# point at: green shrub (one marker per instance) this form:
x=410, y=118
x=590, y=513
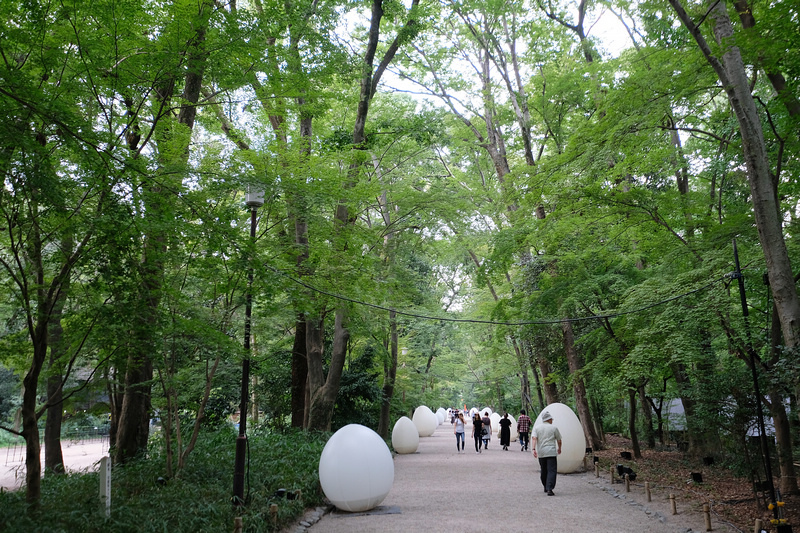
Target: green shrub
x=198, y=499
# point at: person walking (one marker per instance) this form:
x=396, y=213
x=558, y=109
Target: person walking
x=523, y=427
x=487, y=430
x=505, y=432
x=477, y=427
x=458, y=429
x=547, y=448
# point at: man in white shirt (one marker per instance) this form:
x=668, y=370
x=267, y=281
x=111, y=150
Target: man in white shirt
x=547, y=447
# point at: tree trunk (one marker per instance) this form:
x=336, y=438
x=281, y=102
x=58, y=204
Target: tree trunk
x=325, y=389
x=134, y=420
x=30, y=428
x=389, y=376
x=637, y=451
x=550, y=388
x=299, y=372
x=694, y=432
x=53, y=455
x=783, y=438
x=647, y=414
x=578, y=386
x=597, y=420
x=524, y=390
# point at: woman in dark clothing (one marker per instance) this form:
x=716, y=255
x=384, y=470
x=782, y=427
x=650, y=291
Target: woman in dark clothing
x=477, y=425
x=505, y=432
x=487, y=429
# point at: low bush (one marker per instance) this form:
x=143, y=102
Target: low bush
x=198, y=499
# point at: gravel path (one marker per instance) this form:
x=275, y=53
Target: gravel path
x=437, y=489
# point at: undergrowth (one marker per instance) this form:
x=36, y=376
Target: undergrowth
x=198, y=499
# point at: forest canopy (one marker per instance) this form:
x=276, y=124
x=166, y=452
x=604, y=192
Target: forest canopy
x=377, y=205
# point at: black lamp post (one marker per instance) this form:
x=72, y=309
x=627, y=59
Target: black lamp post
x=253, y=200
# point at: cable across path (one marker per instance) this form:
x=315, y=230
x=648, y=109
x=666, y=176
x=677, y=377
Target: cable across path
x=437, y=489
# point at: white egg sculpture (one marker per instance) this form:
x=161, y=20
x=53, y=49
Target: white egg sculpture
x=443, y=412
x=473, y=411
x=513, y=428
x=405, y=437
x=356, y=470
x=439, y=417
x=573, y=442
x=425, y=421
x=494, y=418
x=486, y=410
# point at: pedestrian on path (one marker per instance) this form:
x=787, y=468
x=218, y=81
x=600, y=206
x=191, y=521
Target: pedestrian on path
x=505, y=432
x=458, y=429
x=523, y=427
x=477, y=426
x=487, y=430
x=547, y=448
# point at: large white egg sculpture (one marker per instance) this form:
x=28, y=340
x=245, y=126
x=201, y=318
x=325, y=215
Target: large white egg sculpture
x=405, y=437
x=486, y=410
x=494, y=418
x=513, y=428
x=439, y=417
x=425, y=421
x=443, y=412
x=356, y=470
x=573, y=442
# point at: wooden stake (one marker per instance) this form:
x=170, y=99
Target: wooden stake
x=273, y=511
x=237, y=524
x=612, y=475
x=757, y=528
x=707, y=514
x=596, y=470
x=627, y=483
x=647, y=491
x=673, y=504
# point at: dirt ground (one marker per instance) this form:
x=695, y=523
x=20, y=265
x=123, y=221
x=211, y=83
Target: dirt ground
x=438, y=489
x=78, y=456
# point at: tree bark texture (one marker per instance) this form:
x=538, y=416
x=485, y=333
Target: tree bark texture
x=578, y=386
x=647, y=415
x=299, y=372
x=53, y=455
x=389, y=376
x=637, y=451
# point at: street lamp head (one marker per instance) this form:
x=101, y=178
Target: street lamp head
x=254, y=198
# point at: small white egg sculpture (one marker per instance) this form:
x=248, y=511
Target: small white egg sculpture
x=573, y=441
x=425, y=421
x=443, y=412
x=439, y=418
x=494, y=418
x=472, y=412
x=486, y=410
x=356, y=470
x=405, y=437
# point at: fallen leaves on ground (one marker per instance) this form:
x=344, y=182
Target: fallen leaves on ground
x=729, y=496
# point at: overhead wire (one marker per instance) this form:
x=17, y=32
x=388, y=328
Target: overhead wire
x=493, y=322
